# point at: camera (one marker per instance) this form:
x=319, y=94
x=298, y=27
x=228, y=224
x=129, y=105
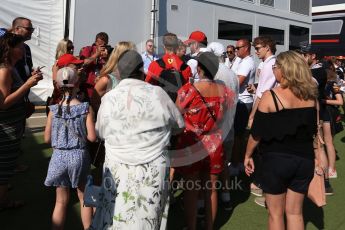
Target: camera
x=108, y=48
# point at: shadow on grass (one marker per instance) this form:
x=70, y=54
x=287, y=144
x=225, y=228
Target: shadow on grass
x=343, y=139
x=313, y=214
x=239, y=194
x=39, y=199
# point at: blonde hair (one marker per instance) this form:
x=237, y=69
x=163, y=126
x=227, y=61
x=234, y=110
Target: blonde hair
x=119, y=49
x=297, y=75
x=62, y=48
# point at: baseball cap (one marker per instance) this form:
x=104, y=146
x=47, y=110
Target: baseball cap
x=308, y=48
x=210, y=61
x=66, y=77
x=130, y=63
x=67, y=59
x=196, y=36
x=217, y=48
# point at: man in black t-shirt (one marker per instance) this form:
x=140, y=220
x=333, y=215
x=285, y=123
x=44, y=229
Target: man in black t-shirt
x=313, y=57
x=23, y=27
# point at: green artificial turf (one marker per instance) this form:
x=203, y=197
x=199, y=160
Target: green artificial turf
x=36, y=214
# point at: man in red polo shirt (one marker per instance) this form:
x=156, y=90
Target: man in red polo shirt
x=171, y=61
x=94, y=57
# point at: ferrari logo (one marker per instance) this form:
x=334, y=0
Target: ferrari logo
x=170, y=61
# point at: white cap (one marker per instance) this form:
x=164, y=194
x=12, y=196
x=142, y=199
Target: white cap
x=217, y=48
x=202, y=50
x=66, y=77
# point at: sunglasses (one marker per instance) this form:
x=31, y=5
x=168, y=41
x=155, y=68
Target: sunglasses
x=257, y=48
x=230, y=52
x=30, y=29
x=238, y=47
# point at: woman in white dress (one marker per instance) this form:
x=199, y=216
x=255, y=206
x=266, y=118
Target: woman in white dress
x=136, y=120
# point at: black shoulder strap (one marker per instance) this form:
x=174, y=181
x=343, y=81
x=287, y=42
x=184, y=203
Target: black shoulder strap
x=183, y=66
x=275, y=97
x=161, y=63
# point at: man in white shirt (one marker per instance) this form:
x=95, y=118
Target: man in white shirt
x=231, y=59
x=265, y=49
x=246, y=75
x=197, y=43
x=149, y=55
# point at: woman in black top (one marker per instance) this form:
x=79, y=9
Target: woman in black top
x=283, y=129
x=333, y=98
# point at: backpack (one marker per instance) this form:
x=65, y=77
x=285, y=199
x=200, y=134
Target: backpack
x=171, y=79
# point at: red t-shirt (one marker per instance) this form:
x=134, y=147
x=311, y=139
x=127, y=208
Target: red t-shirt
x=171, y=61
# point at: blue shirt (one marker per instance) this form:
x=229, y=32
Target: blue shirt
x=2, y=31
x=147, y=59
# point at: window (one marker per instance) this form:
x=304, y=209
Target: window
x=267, y=2
x=298, y=35
x=300, y=6
x=327, y=27
x=275, y=34
x=234, y=30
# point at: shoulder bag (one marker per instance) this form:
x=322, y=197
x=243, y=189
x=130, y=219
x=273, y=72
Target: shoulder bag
x=316, y=190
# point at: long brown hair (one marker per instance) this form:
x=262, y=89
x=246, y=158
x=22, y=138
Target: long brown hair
x=7, y=42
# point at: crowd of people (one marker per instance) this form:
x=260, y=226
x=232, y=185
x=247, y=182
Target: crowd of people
x=202, y=117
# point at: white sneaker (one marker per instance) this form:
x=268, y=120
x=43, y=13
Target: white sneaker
x=261, y=201
x=332, y=173
x=256, y=192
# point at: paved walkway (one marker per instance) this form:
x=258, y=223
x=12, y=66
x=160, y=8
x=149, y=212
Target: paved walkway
x=37, y=122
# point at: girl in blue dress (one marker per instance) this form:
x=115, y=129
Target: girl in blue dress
x=69, y=125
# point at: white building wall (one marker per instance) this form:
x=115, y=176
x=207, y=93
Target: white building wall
x=122, y=20
x=204, y=15
x=47, y=17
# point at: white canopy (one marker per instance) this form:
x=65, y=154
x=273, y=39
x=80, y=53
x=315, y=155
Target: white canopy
x=47, y=17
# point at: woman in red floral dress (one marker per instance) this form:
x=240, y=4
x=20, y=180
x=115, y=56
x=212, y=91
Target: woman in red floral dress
x=200, y=156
